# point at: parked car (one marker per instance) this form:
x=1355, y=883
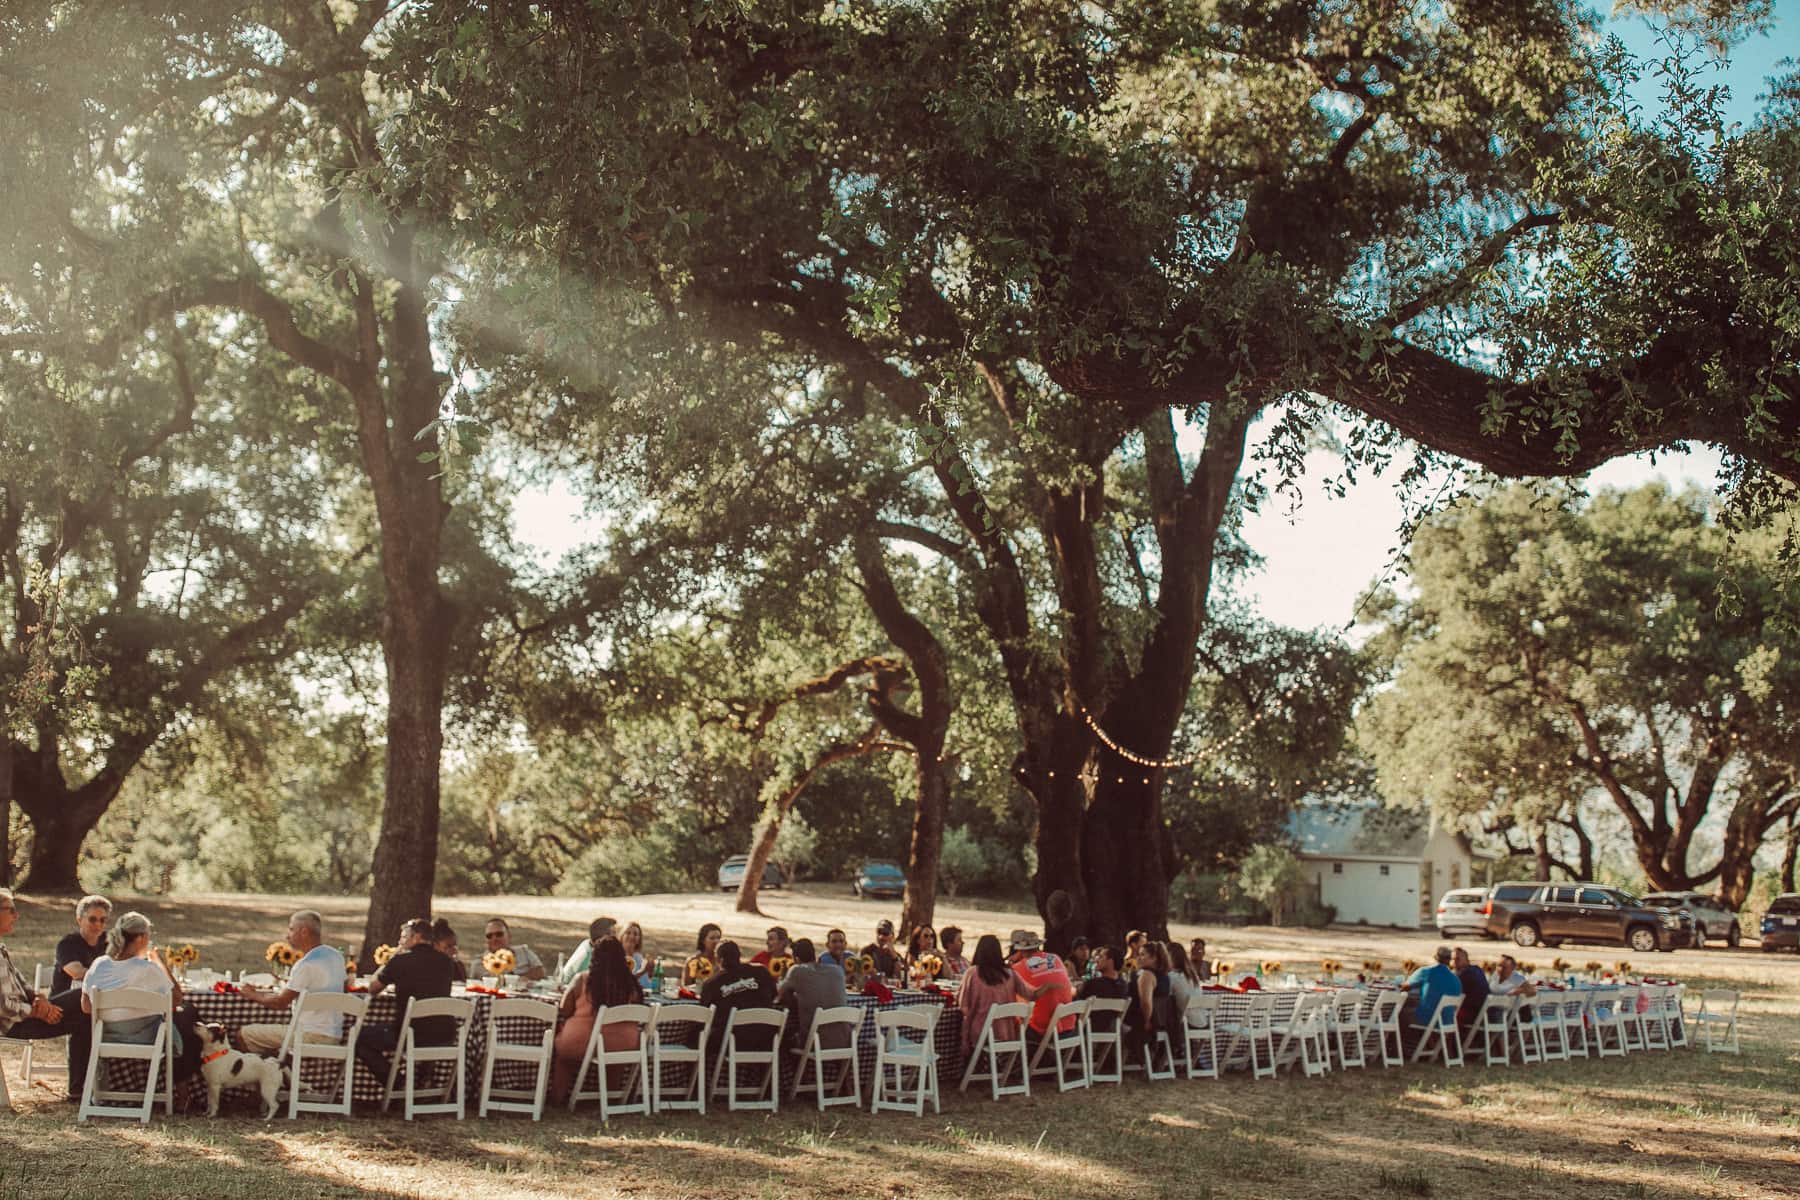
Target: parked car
x=1712, y=920
x=731, y=873
x=1781, y=923
x=879, y=878
x=1554, y=913
x=1459, y=912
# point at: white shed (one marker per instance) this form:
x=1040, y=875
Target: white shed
x=1383, y=866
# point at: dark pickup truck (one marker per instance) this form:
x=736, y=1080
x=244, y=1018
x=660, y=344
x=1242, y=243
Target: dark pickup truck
x=1554, y=913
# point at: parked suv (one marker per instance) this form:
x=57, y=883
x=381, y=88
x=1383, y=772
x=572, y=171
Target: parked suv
x=1781, y=923
x=1712, y=920
x=1460, y=912
x=1554, y=913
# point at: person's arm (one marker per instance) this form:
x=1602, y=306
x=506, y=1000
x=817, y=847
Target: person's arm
x=572, y=995
x=378, y=982
x=1146, y=989
x=535, y=970
x=175, y=993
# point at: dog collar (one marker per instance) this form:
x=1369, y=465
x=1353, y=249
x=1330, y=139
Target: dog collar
x=215, y=1054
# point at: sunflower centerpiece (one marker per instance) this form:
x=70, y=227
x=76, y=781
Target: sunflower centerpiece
x=383, y=953
x=698, y=970
x=925, y=969
x=780, y=965
x=1593, y=969
x=180, y=958
x=282, y=957
x=499, y=963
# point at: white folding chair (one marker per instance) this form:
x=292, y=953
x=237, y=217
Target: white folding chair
x=906, y=1040
x=1552, y=1031
x=1065, y=1049
x=1631, y=1020
x=1490, y=1033
x=634, y=1064
x=1104, y=1026
x=1383, y=1025
x=337, y=1058
x=1345, y=1023
x=815, y=1054
x=1253, y=1033
x=1675, y=1015
x=671, y=1027
x=1199, y=1036
x=1306, y=1035
x=1576, y=1013
x=1607, y=1013
x=536, y=1052
x=40, y=983
x=1442, y=1028
x=157, y=1056
x=452, y=1094
x=765, y=1094
x=1528, y=1030
x=1654, y=1020
x=1003, y=1053
x=1717, y=1021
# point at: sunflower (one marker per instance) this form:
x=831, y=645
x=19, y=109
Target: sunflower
x=1374, y=966
x=1490, y=966
x=499, y=962
x=699, y=967
x=1623, y=968
x=383, y=953
x=1410, y=965
x=277, y=951
x=867, y=964
x=1222, y=969
x=289, y=955
x=780, y=965
x=1527, y=968
x=349, y=966
x=1593, y=968
x=1560, y=965
x=1270, y=966
x=930, y=964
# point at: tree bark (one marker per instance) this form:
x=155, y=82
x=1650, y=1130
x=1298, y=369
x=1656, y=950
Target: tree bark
x=1791, y=855
x=926, y=730
x=1540, y=852
x=61, y=818
x=6, y=807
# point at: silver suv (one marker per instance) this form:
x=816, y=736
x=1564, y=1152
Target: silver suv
x=1712, y=920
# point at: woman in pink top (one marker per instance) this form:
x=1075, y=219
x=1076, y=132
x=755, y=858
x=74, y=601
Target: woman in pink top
x=989, y=982
x=607, y=982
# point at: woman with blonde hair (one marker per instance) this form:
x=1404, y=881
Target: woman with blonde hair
x=131, y=961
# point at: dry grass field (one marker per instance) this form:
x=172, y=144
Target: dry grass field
x=1680, y=1124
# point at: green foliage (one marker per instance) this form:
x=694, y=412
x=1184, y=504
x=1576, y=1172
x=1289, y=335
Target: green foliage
x=961, y=861
x=796, y=844
x=1272, y=876
x=630, y=863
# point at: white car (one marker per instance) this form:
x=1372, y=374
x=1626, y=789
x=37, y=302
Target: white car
x=1713, y=922
x=1459, y=911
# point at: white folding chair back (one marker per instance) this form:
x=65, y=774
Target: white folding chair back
x=1528, y=1030
x=1490, y=1033
x=1675, y=1015
x=670, y=1027
x=1440, y=1031
x=533, y=1050
x=338, y=1058
x=1252, y=1034
x=996, y=1054
x=1063, y=1052
x=906, y=1040
x=1717, y=1021
x=1104, y=1025
x=447, y=1062
x=633, y=1093
x=1609, y=1016
x=1553, y=1033
x=1630, y=1019
x=765, y=1093
x=157, y=1056
x=1383, y=1027
x=40, y=983
x=1654, y=1020
x=1200, y=1036
x=814, y=1053
x=1346, y=1025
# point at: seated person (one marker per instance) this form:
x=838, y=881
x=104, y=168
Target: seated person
x=77, y=951
x=320, y=969
x=417, y=969
x=883, y=951
x=1044, y=979
x=131, y=961
x=837, y=949
x=704, y=963
x=776, y=945
x=922, y=942
x=737, y=984
x=579, y=957
x=26, y=1012
x=1474, y=990
x=1184, y=981
x=631, y=938
x=987, y=982
x=1151, y=990
x=1081, y=959
x=526, y=963
x=807, y=987
x=1424, y=991
x=955, y=965
x=444, y=939
x=607, y=983
x=1197, y=958
x=1510, y=981
x=1105, y=984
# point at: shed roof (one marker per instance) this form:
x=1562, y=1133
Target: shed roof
x=1361, y=832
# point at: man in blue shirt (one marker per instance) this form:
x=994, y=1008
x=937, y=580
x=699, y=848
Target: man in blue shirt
x=1425, y=989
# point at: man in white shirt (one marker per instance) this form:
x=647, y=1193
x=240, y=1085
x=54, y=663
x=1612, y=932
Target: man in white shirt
x=320, y=969
x=1509, y=979
x=526, y=963
x=581, y=955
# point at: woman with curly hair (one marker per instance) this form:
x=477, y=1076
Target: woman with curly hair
x=607, y=983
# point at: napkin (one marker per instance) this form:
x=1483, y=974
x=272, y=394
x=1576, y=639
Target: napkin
x=879, y=990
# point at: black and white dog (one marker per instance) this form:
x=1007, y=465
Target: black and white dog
x=223, y=1067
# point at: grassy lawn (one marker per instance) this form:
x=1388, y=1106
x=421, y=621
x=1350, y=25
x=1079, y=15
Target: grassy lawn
x=1665, y=1125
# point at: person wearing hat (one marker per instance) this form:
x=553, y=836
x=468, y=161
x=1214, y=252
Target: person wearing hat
x=887, y=959
x=1045, y=977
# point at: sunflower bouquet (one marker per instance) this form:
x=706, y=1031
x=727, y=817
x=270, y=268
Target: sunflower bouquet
x=1561, y=966
x=383, y=953
x=1329, y=967
x=1271, y=966
x=499, y=962
x=1409, y=966
x=1373, y=966
x=1489, y=966
x=1594, y=968
x=281, y=954
x=699, y=969
x=925, y=968
x=1221, y=969
x=1528, y=968
x=780, y=965
x=1623, y=968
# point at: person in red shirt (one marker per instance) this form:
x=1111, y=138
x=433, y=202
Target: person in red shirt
x=778, y=946
x=1045, y=979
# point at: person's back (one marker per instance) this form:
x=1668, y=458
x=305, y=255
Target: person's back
x=1434, y=982
x=320, y=970
x=1105, y=987
x=813, y=986
x=420, y=972
x=735, y=985
x=1039, y=968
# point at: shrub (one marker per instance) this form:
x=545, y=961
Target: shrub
x=962, y=861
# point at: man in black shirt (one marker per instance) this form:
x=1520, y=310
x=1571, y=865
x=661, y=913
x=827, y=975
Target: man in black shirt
x=1475, y=990
x=737, y=984
x=887, y=959
x=417, y=970
x=1107, y=984
x=77, y=951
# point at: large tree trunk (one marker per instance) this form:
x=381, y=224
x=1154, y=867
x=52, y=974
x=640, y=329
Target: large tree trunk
x=1791, y=854
x=1540, y=853
x=926, y=730
x=61, y=818
x=6, y=807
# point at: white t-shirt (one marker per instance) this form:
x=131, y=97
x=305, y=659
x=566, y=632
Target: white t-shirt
x=321, y=970
x=110, y=974
x=1509, y=985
